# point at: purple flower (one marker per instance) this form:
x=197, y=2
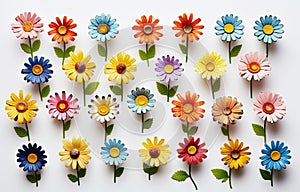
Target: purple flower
x=168, y=69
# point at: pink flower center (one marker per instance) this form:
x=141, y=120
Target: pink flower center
x=80, y=67
x=253, y=67
x=27, y=26
x=62, y=106
x=268, y=108
x=154, y=152
x=21, y=107
x=121, y=68
x=74, y=153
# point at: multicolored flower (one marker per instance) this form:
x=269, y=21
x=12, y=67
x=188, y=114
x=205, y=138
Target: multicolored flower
x=62, y=30
x=168, y=68
x=140, y=100
x=230, y=28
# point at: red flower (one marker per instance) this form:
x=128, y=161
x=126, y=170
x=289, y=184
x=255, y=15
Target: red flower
x=62, y=30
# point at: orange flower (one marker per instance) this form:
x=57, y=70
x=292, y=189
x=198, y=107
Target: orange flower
x=188, y=28
x=62, y=30
x=147, y=29
x=188, y=108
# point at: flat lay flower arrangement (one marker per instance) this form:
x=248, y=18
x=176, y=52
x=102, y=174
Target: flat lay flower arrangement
x=188, y=107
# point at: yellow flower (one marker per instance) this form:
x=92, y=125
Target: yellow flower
x=235, y=155
x=78, y=67
x=211, y=66
x=120, y=68
x=155, y=153
x=76, y=152
x=21, y=109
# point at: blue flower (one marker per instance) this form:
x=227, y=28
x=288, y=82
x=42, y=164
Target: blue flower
x=140, y=100
x=268, y=29
x=114, y=152
x=103, y=28
x=230, y=28
x=31, y=157
x=37, y=70
x=276, y=156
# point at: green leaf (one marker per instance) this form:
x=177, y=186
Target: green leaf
x=151, y=52
x=81, y=173
x=38, y=177
x=116, y=89
x=182, y=48
x=193, y=130
x=162, y=89
x=25, y=48
x=148, y=123
x=36, y=45
x=101, y=50
x=172, y=91
x=21, y=132
x=67, y=125
x=119, y=171
x=150, y=170
x=31, y=178
x=68, y=50
x=224, y=131
x=59, y=52
x=46, y=91
x=72, y=178
x=217, y=85
x=143, y=55
x=220, y=174
x=184, y=128
x=109, y=129
x=91, y=88
x=180, y=176
x=266, y=175
x=235, y=51
x=258, y=129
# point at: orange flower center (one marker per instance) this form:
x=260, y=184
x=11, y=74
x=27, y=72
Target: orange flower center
x=21, y=106
x=235, y=154
x=37, y=69
x=74, y=153
x=103, y=109
x=80, y=67
x=154, y=152
x=268, y=29
x=148, y=29
x=121, y=68
x=187, y=29
x=228, y=28
x=268, y=108
x=275, y=155
x=187, y=108
x=192, y=150
x=114, y=152
x=62, y=106
x=210, y=66
x=141, y=100
x=62, y=30
x=103, y=28
x=27, y=26
x=226, y=111
x=32, y=158
x=253, y=67
x=169, y=68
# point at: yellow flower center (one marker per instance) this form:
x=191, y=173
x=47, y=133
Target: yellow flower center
x=74, y=153
x=154, y=152
x=32, y=158
x=62, y=30
x=192, y=150
x=27, y=26
x=62, y=106
x=148, y=29
x=226, y=111
x=235, y=154
x=268, y=108
x=103, y=109
x=169, y=68
x=187, y=108
x=114, y=152
x=80, y=67
x=37, y=69
x=187, y=29
x=275, y=155
x=228, y=28
x=268, y=29
x=253, y=67
x=141, y=100
x=210, y=66
x=21, y=106
x=103, y=28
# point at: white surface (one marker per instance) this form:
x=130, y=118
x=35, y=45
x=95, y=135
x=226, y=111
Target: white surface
x=47, y=132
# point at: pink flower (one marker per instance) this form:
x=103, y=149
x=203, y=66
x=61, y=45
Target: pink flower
x=269, y=105
x=28, y=25
x=61, y=107
x=254, y=65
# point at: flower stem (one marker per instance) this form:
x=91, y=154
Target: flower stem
x=187, y=129
x=148, y=64
x=30, y=46
x=64, y=54
x=190, y=175
x=229, y=47
x=168, y=91
x=83, y=86
x=187, y=49
x=149, y=176
x=265, y=131
x=228, y=134
x=36, y=180
x=27, y=130
x=121, y=90
x=251, y=88
x=267, y=50
x=230, y=178
x=105, y=126
x=77, y=172
x=212, y=89
x=142, y=122
x=272, y=170
x=40, y=91
x=105, y=43
x=115, y=172
x=64, y=134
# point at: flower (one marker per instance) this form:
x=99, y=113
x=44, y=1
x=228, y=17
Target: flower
x=21, y=109
x=226, y=110
x=28, y=25
x=192, y=151
x=62, y=107
x=168, y=69
x=37, y=70
x=103, y=28
x=155, y=153
x=188, y=108
x=275, y=156
x=62, y=30
x=31, y=157
x=75, y=152
x=235, y=155
x=211, y=66
x=188, y=28
x=268, y=29
x=114, y=152
x=120, y=68
x=230, y=28
x=147, y=29
x=79, y=67
x=103, y=109
x=254, y=65
x=269, y=106
x=140, y=100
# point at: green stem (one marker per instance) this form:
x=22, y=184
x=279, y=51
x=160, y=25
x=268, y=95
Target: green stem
x=147, y=45
x=230, y=178
x=27, y=130
x=267, y=50
x=187, y=129
x=40, y=91
x=105, y=126
x=265, y=131
x=30, y=46
x=149, y=176
x=105, y=43
x=121, y=90
x=190, y=175
x=64, y=134
x=64, y=54
x=77, y=172
x=228, y=134
x=142, y=122
x=36, y=180
x=168, y=91
x=251, y=88
x=212, y=89
x=83, y=85
x=115, y=172
x=229, y=46
x=272, y=177
x=187, y=49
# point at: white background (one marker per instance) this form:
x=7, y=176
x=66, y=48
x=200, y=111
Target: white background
x=47, y=132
